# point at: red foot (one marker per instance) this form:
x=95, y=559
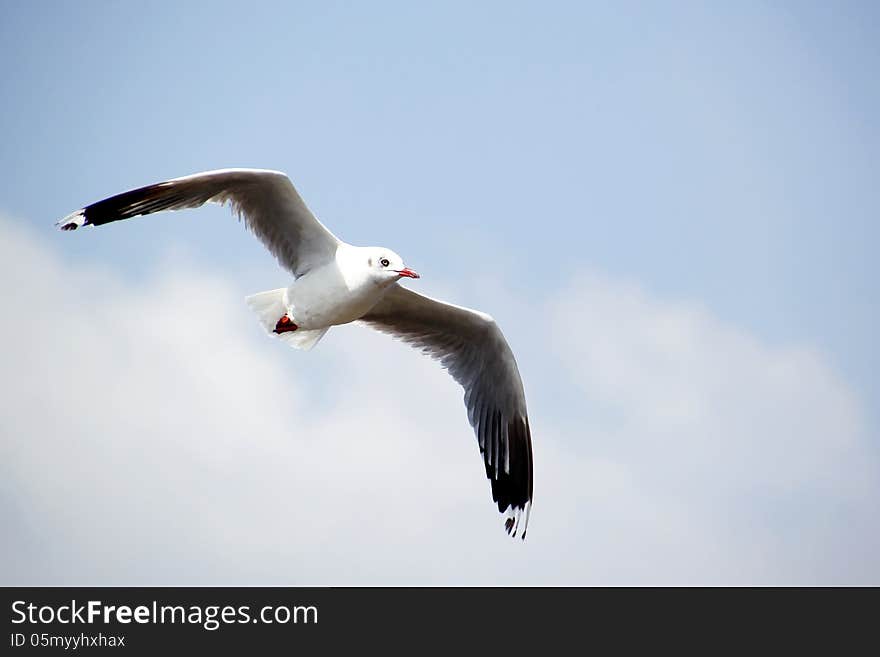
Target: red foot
x=284, y=325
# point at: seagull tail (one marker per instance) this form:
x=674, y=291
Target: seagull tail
x=270, y=307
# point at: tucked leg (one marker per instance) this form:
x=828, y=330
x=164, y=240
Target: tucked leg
x=285, y=325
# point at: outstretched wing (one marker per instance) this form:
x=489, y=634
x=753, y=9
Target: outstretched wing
x=472, y=348
x=266, y=201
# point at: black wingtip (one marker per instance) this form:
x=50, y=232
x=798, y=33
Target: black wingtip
x=73, y=220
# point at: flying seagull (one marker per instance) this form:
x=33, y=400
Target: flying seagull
x=337, y=283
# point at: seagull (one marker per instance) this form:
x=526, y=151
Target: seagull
x=337, y=283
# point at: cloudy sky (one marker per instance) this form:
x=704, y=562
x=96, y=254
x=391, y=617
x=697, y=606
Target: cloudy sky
x=670, y=210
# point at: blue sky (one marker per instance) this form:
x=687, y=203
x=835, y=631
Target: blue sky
x=723, y=154
x=718, y=158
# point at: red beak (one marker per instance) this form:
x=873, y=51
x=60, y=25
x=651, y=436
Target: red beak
x=409, y=273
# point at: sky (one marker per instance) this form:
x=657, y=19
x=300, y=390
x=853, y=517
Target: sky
x=670, y=209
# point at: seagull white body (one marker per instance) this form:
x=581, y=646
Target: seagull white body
x=338, y=283
x=338, y=292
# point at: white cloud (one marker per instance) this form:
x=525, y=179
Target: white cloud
x=152, y=434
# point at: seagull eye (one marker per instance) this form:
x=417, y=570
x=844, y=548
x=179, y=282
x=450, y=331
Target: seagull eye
x=384, y=262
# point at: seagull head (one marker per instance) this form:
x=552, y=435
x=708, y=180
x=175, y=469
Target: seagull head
x=387, y=266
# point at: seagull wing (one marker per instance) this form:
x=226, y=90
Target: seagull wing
x=267, y=202
x=472, y=348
